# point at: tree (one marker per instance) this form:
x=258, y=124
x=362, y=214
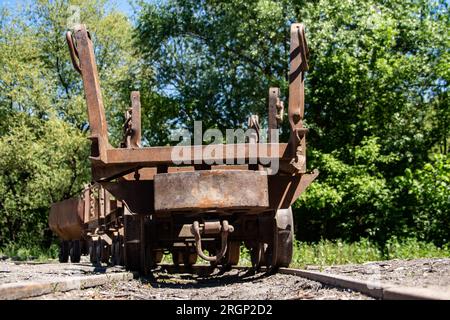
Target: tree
x=376, y=96
x=41, y=162
x=215, y=60
x=43, y=126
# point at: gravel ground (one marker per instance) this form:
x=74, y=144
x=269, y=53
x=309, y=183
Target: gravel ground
x=236, y=284
x=425, y=273
x=19, y=271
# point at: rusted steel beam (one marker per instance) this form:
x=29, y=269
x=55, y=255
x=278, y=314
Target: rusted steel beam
x=132, y=126
x=124, y=161
x=285, y=189
x=298, y=65
x=94, y=100
x=274, y=93
x=87, y=203
x=135, y=140
x=276, y=110
x=163, y=155
x=138, y=195
x=100, y=172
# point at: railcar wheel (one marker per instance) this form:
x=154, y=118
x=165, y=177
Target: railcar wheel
x=231, y=257
x=177, y=257
x=75, y=251
x=64, y=251
x=279, y=252
x=132, y=240
x=184, y=256
x=98, y=251
x=93, y=257
x=157, y=256
x=116, y=251
x=104, y=251
x=189, y=258
x=256, y=249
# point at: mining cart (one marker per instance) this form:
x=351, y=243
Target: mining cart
x=143, y=203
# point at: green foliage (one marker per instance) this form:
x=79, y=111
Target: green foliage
x=43, y=120
x=112, y=36
x=376, y=98
x=376, y=68
x=326, y=252
x=377, y=103
x=424, y=195
x=30, y=252
x=41, y=162
x=376, y=71
x=349, y=201
x=411, y=248
x=215, y=60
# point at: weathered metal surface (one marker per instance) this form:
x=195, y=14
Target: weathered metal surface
x=218, y=189
x=285, y=189
x=94, y=100
x=284, y=233
x=253, y=123
x=224, y=231
x=298, y=65
x=73, y=52
x=66, y=218
x=211, y=227
x=122, y=161
x=166, y=189
x=276, y=112
x=132, y=125
x=138, y=195
x=163, y=155
x=135, y=140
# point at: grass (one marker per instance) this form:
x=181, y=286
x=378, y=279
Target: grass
x=33, y=252
x=326, y=252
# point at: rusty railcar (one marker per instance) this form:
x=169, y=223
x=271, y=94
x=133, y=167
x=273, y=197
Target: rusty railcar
x=209, y=204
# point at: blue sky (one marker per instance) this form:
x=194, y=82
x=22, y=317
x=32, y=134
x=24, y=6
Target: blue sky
x=122, y=5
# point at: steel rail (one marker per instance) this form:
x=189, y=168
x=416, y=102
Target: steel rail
x=379, y=290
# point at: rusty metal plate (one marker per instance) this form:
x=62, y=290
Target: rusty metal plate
x=65, y=218
x=211, y=189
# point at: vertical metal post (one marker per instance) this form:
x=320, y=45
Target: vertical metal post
x=87, y=203
x=135, y=140
x=274, y=93
x=91, y=83
x=298, y=66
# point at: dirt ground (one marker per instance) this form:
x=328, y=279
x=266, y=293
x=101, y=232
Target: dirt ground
x=235, y=284
x=425, y=273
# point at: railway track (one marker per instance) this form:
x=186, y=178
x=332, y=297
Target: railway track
x=53, y=288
